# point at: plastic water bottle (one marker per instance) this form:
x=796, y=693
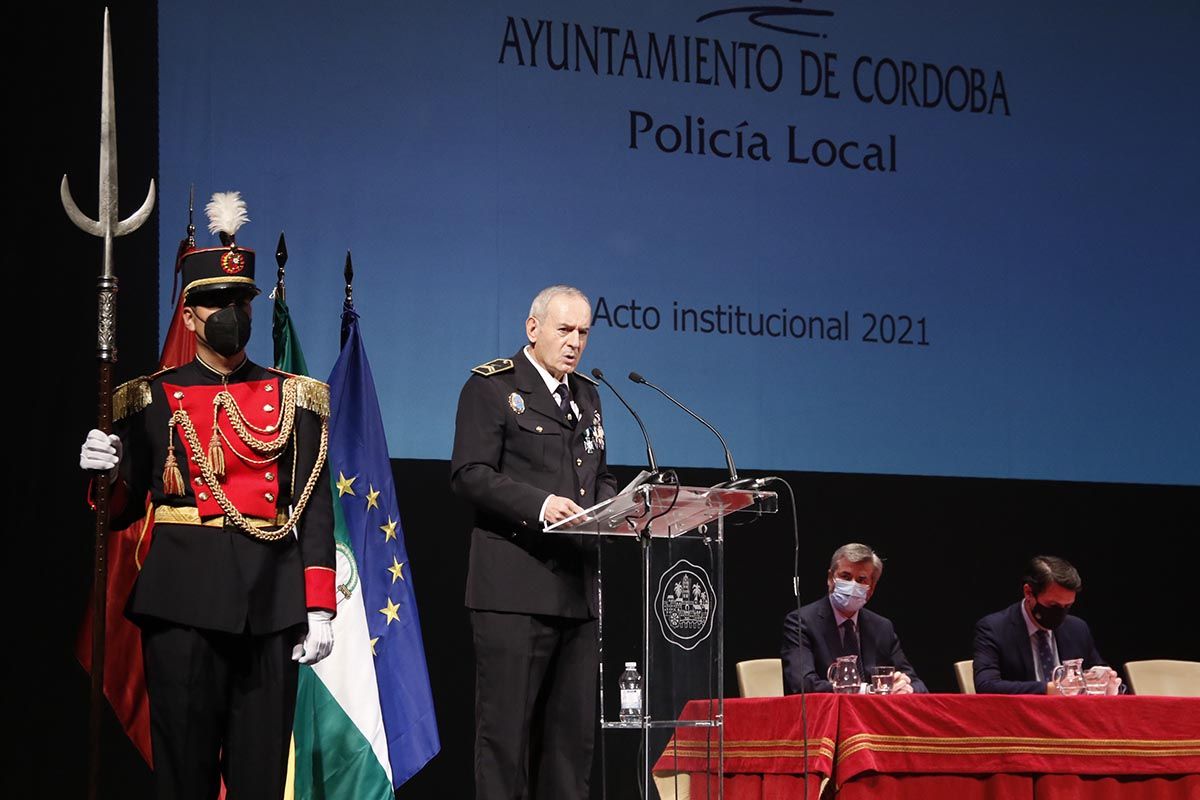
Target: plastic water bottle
x=630, y=684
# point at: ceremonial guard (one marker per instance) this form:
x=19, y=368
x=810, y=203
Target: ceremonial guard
x=238, y=584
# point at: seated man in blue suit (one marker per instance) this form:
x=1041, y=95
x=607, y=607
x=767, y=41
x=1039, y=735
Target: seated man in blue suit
x=1017, y=649
x=838, y=625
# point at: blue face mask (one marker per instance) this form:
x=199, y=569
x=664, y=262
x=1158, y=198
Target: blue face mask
x=848, y=596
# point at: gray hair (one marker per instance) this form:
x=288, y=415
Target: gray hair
x=537, y=309
x=856, y=554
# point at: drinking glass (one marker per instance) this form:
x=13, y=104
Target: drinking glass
x=883, y=680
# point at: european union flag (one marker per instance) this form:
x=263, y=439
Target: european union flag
x=358, y=458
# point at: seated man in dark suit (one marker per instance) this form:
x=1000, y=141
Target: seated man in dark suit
x=838, y=625
x=1017, y=649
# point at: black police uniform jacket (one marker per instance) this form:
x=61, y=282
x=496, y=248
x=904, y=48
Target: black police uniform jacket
x=512, y=449
x=219, y=578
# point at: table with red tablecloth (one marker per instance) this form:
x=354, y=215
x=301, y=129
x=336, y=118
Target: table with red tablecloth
x=764, y=746
x=946, y=746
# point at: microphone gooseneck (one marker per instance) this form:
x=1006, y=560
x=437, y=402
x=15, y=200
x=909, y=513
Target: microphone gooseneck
x=733, y=476
x=598, y=375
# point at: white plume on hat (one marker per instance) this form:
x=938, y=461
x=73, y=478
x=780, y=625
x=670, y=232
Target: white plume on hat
x=226, y=213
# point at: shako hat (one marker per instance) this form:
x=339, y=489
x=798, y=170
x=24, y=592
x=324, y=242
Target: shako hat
x=212, y=269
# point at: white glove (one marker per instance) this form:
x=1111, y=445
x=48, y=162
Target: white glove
x=101, y=452
x=318, y=642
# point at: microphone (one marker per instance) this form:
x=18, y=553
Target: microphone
x=733, y=476
x=598, y=375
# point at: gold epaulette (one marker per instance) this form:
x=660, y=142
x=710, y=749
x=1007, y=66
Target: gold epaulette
x=133, y=396
x=587, y=378
x=493, y=367
x=310, y=393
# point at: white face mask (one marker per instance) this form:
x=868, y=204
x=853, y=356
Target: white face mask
x=848, y=596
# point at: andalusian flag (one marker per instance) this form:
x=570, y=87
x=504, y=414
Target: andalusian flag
x=342, y=747
x=339, y=747
x=358, y=460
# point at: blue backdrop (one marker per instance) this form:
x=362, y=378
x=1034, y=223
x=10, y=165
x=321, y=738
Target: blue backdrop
x=962, y=238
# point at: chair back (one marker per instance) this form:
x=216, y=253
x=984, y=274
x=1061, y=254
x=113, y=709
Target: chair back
x=760, y=677
x=1164, y=677
x=965, y=672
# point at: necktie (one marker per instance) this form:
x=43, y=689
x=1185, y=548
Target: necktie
x=850, y=645
x=564, y=403
x=1045, y=654
x=849, y=639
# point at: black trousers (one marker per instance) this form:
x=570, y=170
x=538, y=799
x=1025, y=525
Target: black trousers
x=221, y=705
x=535, y=706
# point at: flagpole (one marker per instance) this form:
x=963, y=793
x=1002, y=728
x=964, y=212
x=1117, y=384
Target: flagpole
x=281, y=257
x=107, y=226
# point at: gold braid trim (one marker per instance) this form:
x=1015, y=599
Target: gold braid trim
x=311, y=394
x=814, y=751
x=1015, y=745
x=1015, y=750
x=225, y=400
x=258, y=462
x=190, y=515
x=181, y=419
x=1036, y=741
x=754, y=748
x=197, y=285
x=137, y=550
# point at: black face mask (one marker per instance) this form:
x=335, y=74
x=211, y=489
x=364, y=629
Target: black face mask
x=228, y=330
x=1049, y=617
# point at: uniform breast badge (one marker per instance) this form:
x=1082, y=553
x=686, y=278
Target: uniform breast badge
x=516, y=403
x=597, y=431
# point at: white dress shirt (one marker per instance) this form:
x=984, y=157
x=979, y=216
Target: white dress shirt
x=1032, y=628
x=551, y=386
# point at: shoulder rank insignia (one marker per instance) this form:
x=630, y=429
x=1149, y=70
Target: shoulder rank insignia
x=587, y=378
x=493, y=367
x=133, y=396
x=311, y=393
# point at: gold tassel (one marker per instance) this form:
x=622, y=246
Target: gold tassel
x=172, y=478
x=216, y=455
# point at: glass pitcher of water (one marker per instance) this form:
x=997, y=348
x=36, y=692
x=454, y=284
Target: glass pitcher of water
x=843, y=674
x=1068, y=677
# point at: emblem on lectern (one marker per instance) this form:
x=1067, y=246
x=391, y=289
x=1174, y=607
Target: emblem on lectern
x=685, y=604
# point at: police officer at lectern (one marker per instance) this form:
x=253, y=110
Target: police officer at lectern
x=529, y=451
